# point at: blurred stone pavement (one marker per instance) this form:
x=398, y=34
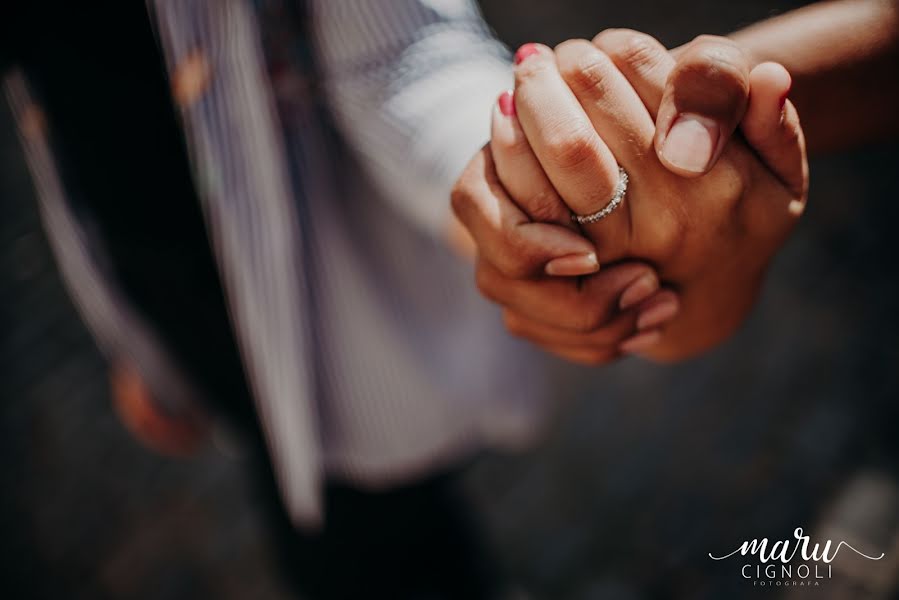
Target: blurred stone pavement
x=645, y=471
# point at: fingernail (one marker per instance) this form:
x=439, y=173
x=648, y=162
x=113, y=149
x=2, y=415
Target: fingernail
x=657, y=314
x=638, y=291
x=524, y=52
x=507, y=103
x=640, y=342
x=691, y=142
x=574, y=264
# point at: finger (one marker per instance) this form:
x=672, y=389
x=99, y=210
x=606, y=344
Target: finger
x=520, y=171
x=575, y=159
x=610, y=102
x=705, y=98
x=459, y=239
x=562, y=303
x=553, y=301
x=588, y=357
x=641, y=342
x=780, y=200
x=642, y=60
x=619, y=328
x=631, y=331
x=771, y=127
x=652, y=315
x=504, y=235
x=658, y=310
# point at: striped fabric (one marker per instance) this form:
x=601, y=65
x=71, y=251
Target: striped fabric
x=325, y=193
x=244, y=185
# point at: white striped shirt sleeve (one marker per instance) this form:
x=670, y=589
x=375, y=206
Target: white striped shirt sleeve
x=411, y=85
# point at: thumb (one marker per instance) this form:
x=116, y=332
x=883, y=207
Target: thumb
x=705, y=98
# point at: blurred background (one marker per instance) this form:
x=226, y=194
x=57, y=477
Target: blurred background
x=792, y=423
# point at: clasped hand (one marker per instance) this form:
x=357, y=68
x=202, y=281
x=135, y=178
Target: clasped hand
x=677, y=266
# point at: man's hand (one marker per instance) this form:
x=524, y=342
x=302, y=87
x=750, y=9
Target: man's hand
x=143, y=418
x=707, y=97
x=711, y=237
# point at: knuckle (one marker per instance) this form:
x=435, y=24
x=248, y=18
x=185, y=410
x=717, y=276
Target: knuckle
x=712, y=79
x=545, y=206
x=572, y=149
x=725, y=65
x=486, y=283
x=461, y=199
x=465, y=192
x=588, y=72
x=640, y=52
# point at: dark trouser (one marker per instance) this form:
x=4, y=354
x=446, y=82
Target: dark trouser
x=414, y=541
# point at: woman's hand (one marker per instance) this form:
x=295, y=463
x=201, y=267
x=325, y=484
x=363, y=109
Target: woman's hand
x=710, y=237
x=528, y=267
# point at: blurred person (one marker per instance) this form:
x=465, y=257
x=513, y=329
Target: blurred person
x=248, y=203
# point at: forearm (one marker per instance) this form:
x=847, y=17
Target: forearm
x=844, y=59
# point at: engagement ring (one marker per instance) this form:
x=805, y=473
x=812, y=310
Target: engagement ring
x=617, y=197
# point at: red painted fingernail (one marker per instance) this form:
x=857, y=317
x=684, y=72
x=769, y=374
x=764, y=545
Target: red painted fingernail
x=524, y=52
x=507, y=103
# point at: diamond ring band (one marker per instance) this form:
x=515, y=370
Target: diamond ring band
x=614, y=202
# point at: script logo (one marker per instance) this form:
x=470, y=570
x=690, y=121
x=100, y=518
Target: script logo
x=816, y=560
